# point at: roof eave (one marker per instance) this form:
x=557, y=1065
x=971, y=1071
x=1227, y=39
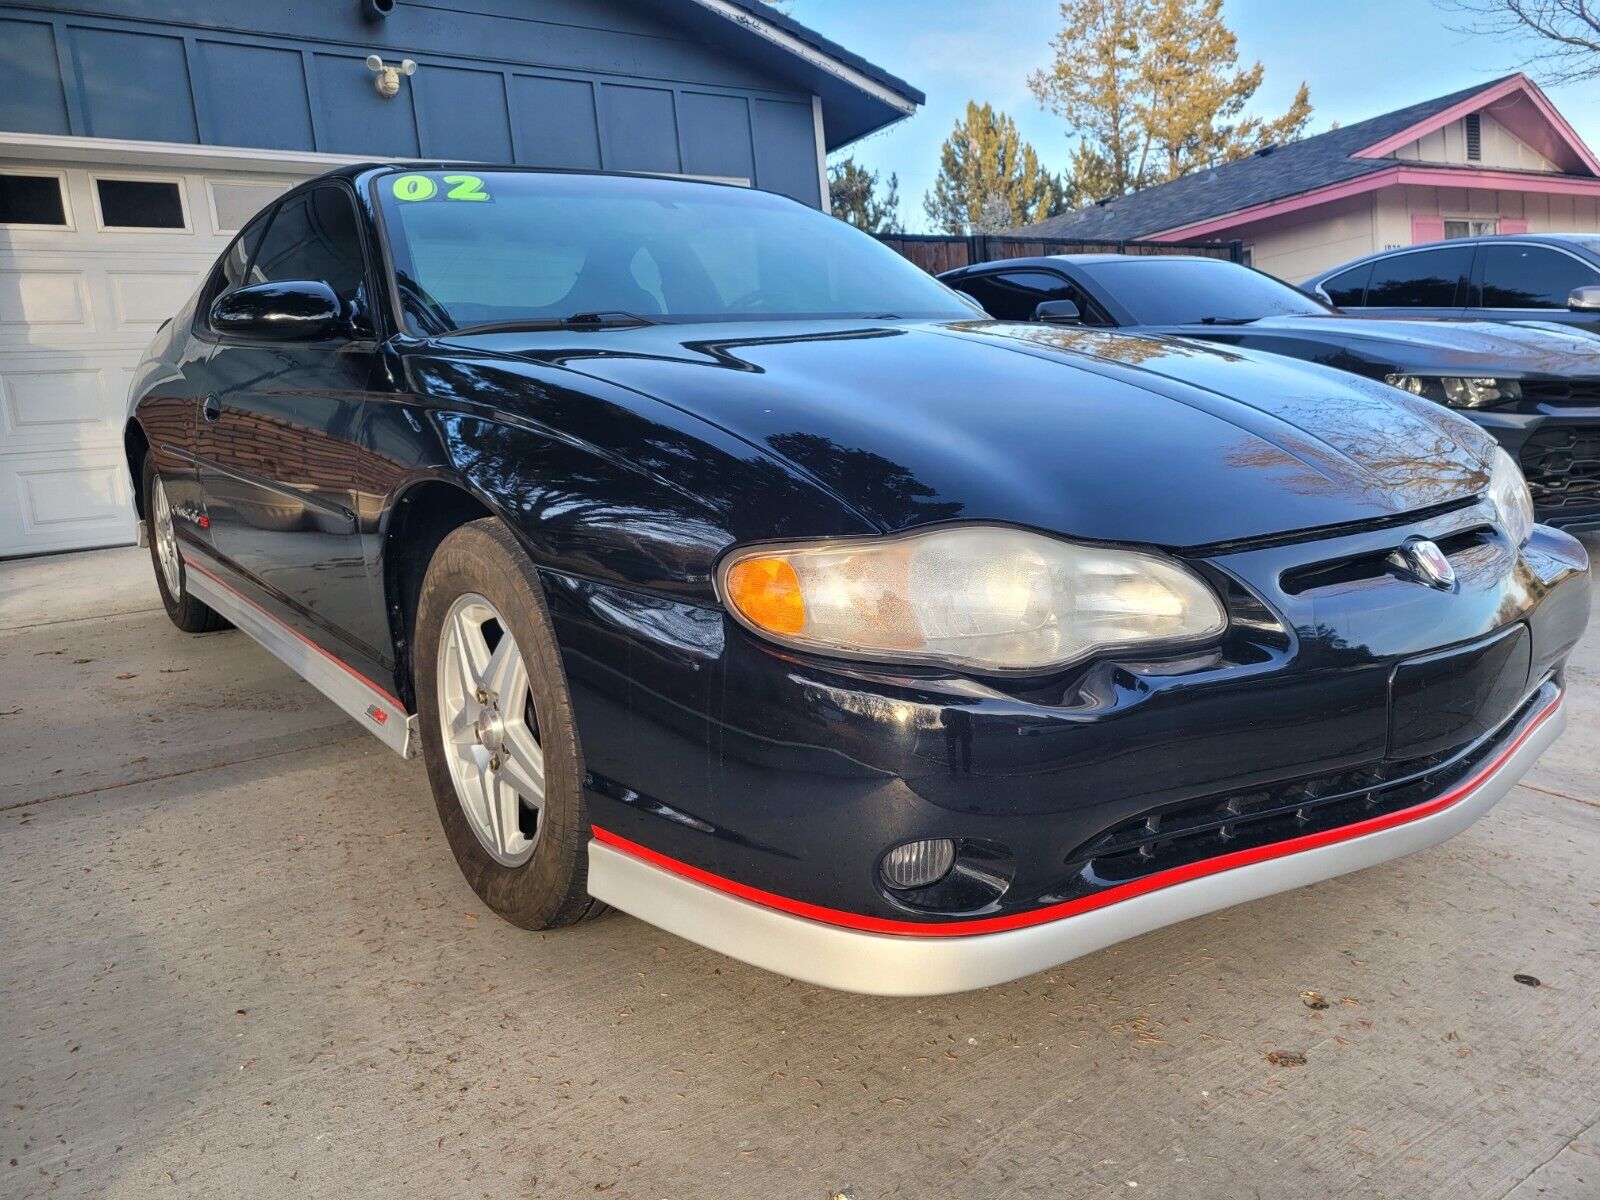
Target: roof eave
x=1478, y=100
x=857, y=97
x=1398, y=174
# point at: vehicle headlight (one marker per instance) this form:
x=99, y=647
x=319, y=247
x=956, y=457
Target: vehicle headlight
x=982, y=596
x=1458, y=391
x=1508, y=492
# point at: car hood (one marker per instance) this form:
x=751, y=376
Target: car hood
x=1523, y=351
x=1087, y=433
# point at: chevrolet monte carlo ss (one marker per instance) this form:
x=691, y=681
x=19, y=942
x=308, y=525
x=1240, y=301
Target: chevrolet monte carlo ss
x=726, y=569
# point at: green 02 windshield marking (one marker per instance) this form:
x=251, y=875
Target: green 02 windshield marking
x=416, y=187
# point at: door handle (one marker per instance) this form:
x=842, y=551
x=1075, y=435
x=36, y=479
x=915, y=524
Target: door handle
x=211, y=407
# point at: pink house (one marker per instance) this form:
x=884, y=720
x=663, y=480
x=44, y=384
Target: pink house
x=1497, y=158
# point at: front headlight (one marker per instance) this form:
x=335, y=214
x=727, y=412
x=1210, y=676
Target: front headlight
x=1458, y=391
x=982, y=596
x=1508, y=492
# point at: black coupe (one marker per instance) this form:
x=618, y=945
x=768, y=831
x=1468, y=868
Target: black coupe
x=726, y=569
x=1537, y=389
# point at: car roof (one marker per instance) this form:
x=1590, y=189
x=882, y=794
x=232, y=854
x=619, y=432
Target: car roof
x=1085, y=260
x=1587, y=244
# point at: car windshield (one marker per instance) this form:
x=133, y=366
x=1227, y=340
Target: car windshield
x=526, y=247
x=1192, y=291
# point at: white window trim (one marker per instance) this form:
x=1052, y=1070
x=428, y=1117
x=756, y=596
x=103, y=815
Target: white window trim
x=66, y=200
x=281, y=183
x=134, y=177
x=1475, y=220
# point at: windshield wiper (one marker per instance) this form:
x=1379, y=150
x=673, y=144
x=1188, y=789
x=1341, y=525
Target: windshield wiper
x=611, y=318
x=1228, y=320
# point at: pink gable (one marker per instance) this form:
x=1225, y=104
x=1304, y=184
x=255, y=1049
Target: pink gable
x=1427, y=229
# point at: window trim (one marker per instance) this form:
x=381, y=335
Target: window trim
x=1481, y=260
x=136, y=177
x=211, y=181
x=60, y=176
x=1469, y=222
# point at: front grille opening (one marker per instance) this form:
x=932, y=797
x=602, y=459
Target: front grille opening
x=1360, y=568
x=1197, y=830
x=1582, y=392
x=1562, y=466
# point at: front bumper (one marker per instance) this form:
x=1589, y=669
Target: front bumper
x=1341, y=693
x=834, y=950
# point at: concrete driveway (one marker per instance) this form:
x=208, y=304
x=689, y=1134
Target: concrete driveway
x=236, y=960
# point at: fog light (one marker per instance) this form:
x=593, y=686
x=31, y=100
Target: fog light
x=918, y=864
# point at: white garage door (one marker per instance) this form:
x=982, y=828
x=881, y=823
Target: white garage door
x=92, y=260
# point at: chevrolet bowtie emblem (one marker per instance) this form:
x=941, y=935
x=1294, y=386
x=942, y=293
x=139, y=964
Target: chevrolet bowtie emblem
x=1425, y=563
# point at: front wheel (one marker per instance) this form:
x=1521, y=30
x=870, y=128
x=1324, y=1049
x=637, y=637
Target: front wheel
x=498, y=732
x=187, y=613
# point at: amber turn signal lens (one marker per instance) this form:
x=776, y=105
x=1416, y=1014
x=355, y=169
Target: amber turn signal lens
x=766, y=591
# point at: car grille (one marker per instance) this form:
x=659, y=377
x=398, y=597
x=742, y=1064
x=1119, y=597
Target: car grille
x=1583, y=392
x=1562, y=465
x=1198, y=830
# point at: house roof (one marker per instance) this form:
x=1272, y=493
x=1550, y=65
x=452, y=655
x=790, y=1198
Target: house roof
x=858, y=97
x=1315, y=162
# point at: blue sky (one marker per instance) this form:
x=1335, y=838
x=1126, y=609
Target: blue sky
x=1359, y=57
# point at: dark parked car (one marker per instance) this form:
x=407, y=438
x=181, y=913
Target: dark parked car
x=1537, y=277
x=727, y=569
x=1536, y=389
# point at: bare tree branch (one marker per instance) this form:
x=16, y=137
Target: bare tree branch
x=1567, y=49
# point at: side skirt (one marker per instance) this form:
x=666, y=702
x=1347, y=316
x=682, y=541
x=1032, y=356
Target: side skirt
x=374, y=709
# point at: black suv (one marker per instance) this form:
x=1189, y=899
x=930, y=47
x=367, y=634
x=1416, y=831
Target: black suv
x=1552, y=277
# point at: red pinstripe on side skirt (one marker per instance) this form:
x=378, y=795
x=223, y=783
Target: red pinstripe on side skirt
x=338, y=662
x=1069, y=908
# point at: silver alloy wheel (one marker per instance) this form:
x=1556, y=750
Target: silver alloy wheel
x=490, y=729
x=167, y=543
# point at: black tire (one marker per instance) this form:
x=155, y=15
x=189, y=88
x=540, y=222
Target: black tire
x=549, y=889
x=187, y=613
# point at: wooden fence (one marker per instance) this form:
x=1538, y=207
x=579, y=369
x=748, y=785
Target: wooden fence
x=937, y=253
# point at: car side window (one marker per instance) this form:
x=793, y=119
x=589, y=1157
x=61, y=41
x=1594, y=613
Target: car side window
x=1517, y=276
x=230, y=269
x=1420, y=279
x=1348, y=288
x=314, y=236
x=1013, y=295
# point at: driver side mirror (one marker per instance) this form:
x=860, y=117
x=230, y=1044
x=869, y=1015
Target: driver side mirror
x=1584, y=299
x=1057, y=312
x=288, y=310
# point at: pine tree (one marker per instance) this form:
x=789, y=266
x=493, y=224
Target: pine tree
x=853, y=191
x=989, y=178
x=1153, y=91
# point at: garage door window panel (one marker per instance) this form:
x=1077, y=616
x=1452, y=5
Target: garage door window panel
x=235, y=201
x=1531, y=277
x=131, y=204
x=34, y=200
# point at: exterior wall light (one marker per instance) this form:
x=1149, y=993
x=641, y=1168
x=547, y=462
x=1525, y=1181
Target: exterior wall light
x=387, y=82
